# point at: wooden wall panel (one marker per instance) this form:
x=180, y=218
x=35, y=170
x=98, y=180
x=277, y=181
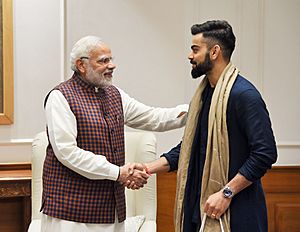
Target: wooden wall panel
x=282, y=188
x=11, y=219
x=166, y=189
x=287, y=217
x=15, y=197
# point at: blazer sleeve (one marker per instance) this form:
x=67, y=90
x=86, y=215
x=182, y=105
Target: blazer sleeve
x=255, y=122
x=172, y=157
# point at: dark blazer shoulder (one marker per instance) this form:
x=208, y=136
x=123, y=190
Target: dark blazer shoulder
x=241, y=84
x=243, y=87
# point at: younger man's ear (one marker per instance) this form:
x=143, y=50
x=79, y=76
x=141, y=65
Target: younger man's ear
x=215, y=52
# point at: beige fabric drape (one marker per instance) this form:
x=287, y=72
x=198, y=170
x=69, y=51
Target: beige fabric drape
x=215, y=173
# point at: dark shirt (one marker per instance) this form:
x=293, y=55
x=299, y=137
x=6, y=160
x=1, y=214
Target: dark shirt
x=196, y=165
x=252, y=150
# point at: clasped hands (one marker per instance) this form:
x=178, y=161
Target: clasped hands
x=133, y=175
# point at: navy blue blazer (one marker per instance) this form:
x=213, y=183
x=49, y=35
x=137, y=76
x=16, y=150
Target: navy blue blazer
x=252, y=151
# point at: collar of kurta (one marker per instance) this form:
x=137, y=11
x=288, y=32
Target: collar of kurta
x=101, y=91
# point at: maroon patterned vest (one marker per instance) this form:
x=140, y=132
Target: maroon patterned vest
x=100, y=129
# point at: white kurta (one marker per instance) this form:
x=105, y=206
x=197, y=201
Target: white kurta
x=62, y=130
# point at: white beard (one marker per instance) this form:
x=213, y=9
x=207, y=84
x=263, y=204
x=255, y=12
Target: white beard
x=97, y=79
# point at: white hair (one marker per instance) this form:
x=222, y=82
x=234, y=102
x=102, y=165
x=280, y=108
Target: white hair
x=82, y=48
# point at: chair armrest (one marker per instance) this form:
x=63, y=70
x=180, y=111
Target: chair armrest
x=35, y=225
x=148, y=226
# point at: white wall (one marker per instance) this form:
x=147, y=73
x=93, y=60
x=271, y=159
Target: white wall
x=281, y=81
x=151, y=40
x=146, y=38
x=37, y=67
x=268, y=54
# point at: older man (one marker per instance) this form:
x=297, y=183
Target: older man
x=84, y=169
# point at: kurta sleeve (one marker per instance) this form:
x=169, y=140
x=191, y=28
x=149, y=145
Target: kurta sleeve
x=140, y=116
x=254, y=120
x=62, y=130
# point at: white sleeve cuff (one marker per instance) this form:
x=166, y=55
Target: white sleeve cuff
x=114, y=172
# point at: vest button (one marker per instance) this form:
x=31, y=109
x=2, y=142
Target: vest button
x=115, y=150
x=112, y=131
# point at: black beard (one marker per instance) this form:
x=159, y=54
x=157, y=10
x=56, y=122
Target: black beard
x=202, y=68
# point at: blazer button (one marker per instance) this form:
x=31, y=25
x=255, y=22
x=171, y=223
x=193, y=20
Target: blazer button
x=112, y=131
x=115, y=150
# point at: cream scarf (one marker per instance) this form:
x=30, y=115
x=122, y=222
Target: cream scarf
x=215, y=173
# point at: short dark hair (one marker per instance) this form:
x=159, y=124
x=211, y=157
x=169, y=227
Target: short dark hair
x=217, y=31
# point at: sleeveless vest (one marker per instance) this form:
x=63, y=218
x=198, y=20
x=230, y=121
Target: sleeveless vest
x=100, y=129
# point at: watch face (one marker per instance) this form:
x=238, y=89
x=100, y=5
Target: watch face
x=227, y=192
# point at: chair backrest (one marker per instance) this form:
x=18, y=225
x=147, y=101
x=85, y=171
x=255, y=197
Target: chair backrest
x=39, y=145
x=139, y=146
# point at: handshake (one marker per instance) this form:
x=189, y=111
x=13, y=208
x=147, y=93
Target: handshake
x=133, y=175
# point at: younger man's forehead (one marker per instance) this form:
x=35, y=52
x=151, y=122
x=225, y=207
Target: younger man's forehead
x=198, y=41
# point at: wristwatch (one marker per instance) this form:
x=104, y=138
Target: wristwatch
x=227, y=192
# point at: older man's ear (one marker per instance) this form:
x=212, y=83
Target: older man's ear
x=80, y=66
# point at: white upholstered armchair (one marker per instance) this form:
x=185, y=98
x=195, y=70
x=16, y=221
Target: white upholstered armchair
x=141, y=204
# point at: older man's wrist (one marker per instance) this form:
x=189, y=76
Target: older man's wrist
x=114, y=172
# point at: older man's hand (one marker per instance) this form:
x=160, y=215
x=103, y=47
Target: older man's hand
x=133, y=176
